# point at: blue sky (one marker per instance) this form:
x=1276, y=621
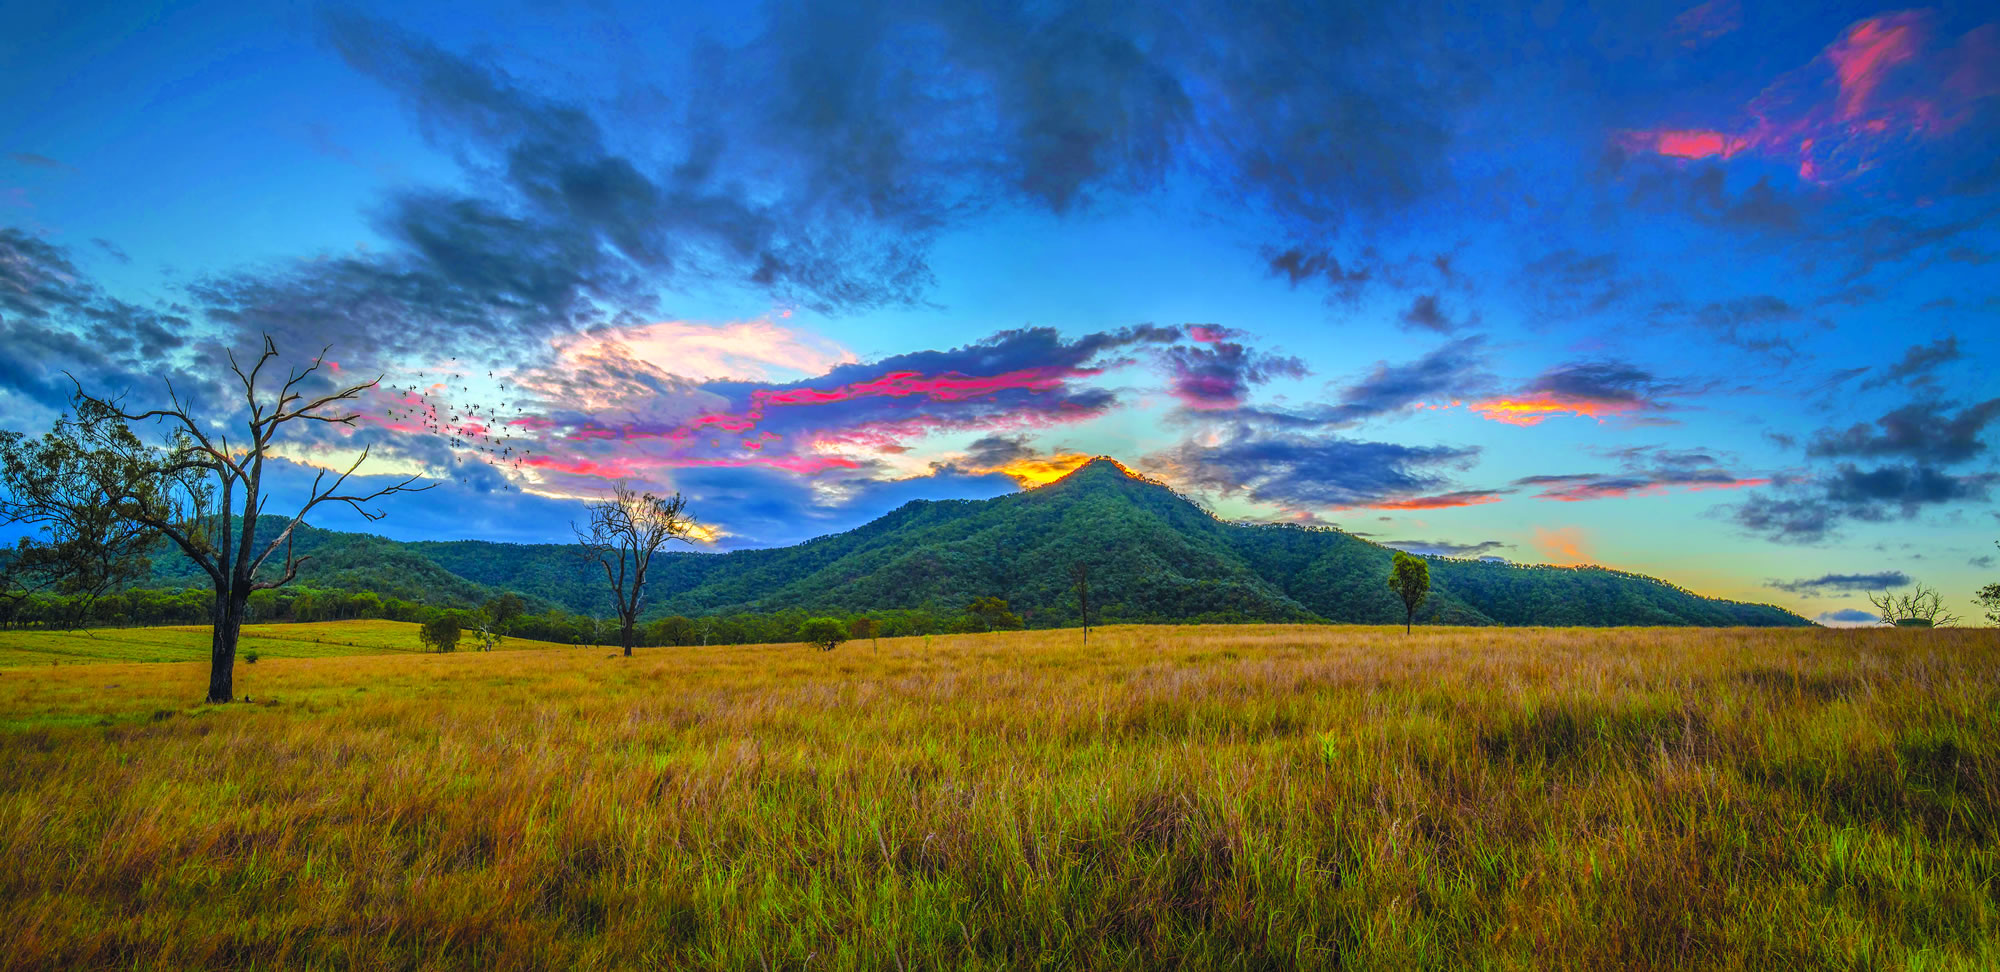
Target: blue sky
x=1702, y=291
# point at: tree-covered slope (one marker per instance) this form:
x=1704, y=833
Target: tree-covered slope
x=1153, y=556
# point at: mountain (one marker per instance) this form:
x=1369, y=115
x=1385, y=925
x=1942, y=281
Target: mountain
x=1153, y=556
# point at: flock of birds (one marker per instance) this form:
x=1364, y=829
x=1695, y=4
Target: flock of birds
x=472, y=431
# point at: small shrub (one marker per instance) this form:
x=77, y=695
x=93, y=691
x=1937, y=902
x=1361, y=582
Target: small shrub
x=250, y=657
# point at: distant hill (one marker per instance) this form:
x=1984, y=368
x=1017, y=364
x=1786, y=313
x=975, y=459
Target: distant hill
x=1154, y=556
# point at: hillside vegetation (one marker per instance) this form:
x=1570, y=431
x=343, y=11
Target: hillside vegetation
x=1216, y=797
x=1154, y=556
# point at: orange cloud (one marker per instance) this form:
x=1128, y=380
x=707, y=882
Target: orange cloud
x=1566, y=546
x=1040, y=472
x=1532, y=411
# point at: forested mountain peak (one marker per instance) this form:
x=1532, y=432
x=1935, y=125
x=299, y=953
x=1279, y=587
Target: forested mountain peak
x=1153, y=555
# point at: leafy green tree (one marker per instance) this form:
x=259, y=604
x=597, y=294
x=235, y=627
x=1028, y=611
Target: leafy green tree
x=56, y=487
x=439, y=634
x=1410, y=578
x=674, y=630
x=823, y=633
x=503, y=610
x=624, y=533
x=991, y=614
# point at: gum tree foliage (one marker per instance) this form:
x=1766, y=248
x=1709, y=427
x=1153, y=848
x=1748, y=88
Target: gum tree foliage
x=622, y=536
x=204, y=490
x=82, y=547
x=991, y=614
x=1410, y=579
x=823, y=633
x=865, y=627
x=439, y=634
x=1923, y=607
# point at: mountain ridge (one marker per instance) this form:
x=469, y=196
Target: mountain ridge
x=1154, y=555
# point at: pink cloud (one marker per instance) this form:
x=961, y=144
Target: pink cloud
x=1888, y=81
x=1441, y=501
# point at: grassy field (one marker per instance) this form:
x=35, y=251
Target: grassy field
x=1214, y=797
x=191, y=643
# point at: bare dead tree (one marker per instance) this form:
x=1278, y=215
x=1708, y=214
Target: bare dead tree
x=1079, y=575
x=205, y=492
x=1922, y=607
x=623, y=534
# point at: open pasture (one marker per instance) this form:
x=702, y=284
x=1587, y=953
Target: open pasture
x=320, y=639
x=1193, y=797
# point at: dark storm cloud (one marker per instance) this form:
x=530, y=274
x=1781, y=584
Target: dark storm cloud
x=1302, y=265
x=1218, y=370
x=39, y=161
x=490, y=280
x=37, y=278
x=1917, y=364
x=1568, y=284
x=1443, y=548
x=1843, y=583
x=819, y=159
x=1644, y=470
x=54, y=319
x=1311, y=472
x=1452, y=371
x=992, y=451
x=111, y=249
x=1446, y=374
x=1600, y=381
x=1426, y=312
x=1704, y=195
x=1763, y=324
x=1599, y=389
x=1814, y=509
x=1920, y=431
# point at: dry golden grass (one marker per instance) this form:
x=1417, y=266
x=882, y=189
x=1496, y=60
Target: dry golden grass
x=1227, y=797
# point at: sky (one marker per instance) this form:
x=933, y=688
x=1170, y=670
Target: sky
x=1700, y=291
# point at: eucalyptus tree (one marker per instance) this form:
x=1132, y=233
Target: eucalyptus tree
x=80, y=546
x=204, y=491
x=1410, y=578
x=621, y=537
